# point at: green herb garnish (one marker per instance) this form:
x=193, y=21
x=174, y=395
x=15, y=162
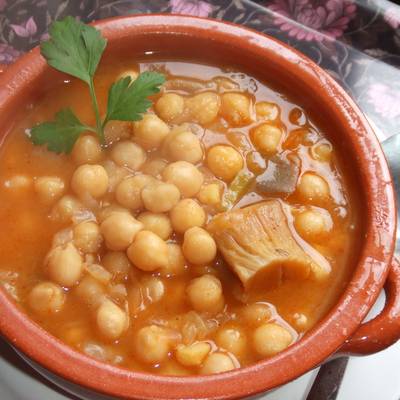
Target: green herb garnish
x=76, y=49
x=61, y=134
x=127, y=100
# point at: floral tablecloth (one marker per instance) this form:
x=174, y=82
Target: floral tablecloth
x=357, y=42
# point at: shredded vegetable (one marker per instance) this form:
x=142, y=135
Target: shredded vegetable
x=237, y=189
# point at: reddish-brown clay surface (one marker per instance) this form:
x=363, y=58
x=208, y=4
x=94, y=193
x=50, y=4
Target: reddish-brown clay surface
x=383, y=330
x=212, y=41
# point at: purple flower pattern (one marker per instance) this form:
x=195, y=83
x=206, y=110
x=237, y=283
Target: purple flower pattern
x=8, y=54
x=26, y=29
x=191, y=7
x=313, y=20
x=385, y=100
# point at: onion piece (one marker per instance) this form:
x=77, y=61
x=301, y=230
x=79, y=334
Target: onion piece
x=98, y=272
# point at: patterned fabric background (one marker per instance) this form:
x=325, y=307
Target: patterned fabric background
x=357, y=42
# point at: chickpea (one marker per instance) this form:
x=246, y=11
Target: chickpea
x=90, y=179
x=312, y=225
x=203, y=107
x=49, y=188
x=87, y=237
x=322, y=152
x=185, y=176
x=183, y=146
x=119, y=230
x=128, y=154
x=154, y=167
x=232, y=340
x=210, y=194
x=46, y=298
x=156, y=223
x=148, y=252
x=205, y=294
x=199, y=247
x=192, y=355
x=90, y=291
x=108, y=210
x=266, y=138
x=270, y=339
x=75, y=334
x=176, y=262
x=150, y=131
x=216, y=363
x=128, y=192
x=117, y=130
x=224, y=162
x=87, y=150
x=117, y=262
x=313, y=187
x=255, y=314
x=111, y=320
x=66, y=208
x=160, y=197
x=65, y=265
x=187, y=214
x=235, y=108
x=300, y=322
x=18, y=183
x=152, y=344
x=170, y=106
x=267, y=111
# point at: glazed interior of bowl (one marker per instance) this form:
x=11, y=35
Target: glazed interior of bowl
x=222, y=44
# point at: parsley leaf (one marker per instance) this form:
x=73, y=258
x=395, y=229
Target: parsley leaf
x=127, y=100
x=61, y=134
x=74, y=48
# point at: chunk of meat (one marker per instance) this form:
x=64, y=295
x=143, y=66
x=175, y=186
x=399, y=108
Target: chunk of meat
x=260, y=241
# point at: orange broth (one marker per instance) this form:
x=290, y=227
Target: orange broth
x=27, y=230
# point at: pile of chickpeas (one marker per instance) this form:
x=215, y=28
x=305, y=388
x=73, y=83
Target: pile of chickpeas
x=135, y=216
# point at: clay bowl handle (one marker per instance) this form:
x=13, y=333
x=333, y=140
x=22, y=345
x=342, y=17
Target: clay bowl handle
x=383, y=330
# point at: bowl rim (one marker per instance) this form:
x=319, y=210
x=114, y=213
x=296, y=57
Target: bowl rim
x=321, y=341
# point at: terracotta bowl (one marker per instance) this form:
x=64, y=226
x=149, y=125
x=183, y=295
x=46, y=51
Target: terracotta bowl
x=342, y=330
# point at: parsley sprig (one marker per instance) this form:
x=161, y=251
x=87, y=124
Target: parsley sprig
x=76, y=49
